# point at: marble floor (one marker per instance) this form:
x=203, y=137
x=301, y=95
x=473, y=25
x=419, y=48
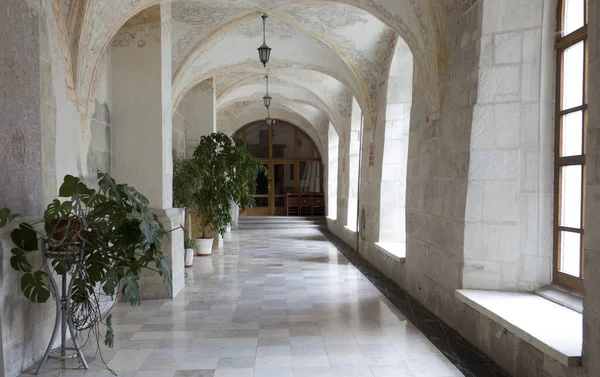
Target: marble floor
x=281, y=304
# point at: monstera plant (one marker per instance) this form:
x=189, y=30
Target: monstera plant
x=117, y=233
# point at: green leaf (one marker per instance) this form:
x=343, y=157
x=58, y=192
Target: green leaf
x=111, y=280
x=6, y=217
x=109, y=338
x=19, y=262
x=165, y=271
x=25, y=237
x=132, y=290
x=36, y=286
x=108, y=186
x=57, y=266
x=71, y=186
x=57, y=210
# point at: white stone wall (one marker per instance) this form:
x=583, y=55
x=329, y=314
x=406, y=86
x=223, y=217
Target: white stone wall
x=508, y=232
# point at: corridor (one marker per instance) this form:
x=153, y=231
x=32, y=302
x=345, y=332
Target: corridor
x=277, y=305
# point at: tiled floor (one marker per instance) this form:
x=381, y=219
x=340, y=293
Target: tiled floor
x=281, y=304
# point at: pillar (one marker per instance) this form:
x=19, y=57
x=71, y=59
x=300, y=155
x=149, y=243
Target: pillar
x=200, y=111
x=142, y=137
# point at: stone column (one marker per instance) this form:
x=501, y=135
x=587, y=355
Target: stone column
x=142, y=137
x=200, y=111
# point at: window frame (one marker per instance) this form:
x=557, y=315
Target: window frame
x=563, y=42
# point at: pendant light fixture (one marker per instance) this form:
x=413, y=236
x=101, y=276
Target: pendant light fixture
x=267, y=101
x=264, y=51
x=267, y=98
x=269, y=120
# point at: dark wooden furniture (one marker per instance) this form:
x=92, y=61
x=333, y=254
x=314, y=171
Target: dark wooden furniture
x=292, y=204
x=305, y=204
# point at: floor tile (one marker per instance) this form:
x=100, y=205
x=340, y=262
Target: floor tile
x=313, y=372
x=195, y=373
x=273, y=372
x=236, y=362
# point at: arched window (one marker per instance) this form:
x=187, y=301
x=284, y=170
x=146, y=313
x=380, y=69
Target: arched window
x=392, y=209
x=332, y=172
x=354, y=164
x=571, y=124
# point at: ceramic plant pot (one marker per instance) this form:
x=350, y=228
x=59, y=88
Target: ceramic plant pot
x=189, y=257
x=204, y=246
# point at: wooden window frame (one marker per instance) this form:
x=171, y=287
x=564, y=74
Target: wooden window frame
x=563, y=42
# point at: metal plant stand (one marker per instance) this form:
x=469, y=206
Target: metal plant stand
x=69, y=258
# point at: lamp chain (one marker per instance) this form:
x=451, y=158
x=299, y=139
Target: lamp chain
x=264, y=18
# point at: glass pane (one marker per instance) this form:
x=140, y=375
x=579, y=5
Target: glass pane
x=280, y=202
x=283, y=178
x=305, y=146
x=310, y=176
x=572, y=81
x=572, y=134
x=262, y=183
x=257, y=140
x=262, y=202
x=570, y=204
x=574, y=13
x=570, y=253
x=283, y=141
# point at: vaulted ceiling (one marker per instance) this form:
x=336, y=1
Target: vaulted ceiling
x=324, y=51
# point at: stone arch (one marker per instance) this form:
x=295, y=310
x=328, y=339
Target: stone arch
x=252, y=114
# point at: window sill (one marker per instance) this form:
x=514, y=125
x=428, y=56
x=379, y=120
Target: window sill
x=350, y=230
x=331, y=218
x=395, y=250
x=551, y=328
x=560, y=297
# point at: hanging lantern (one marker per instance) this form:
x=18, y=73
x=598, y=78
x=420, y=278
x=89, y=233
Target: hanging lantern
x=267, y=98
x=264, y=51
x=269, y=120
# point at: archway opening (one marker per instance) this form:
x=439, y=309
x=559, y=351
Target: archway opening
x=333, y=142
x=354, y=164
x=392, y=213
x=294, y=165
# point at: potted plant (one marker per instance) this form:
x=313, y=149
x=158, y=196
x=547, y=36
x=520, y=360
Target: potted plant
x=227, y=173
x=114, y=231
x=186, y=186
x=189, y=248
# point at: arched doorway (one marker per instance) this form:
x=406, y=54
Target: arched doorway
x=292, y=159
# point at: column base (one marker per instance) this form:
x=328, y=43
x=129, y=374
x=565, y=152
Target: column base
x=151, y=282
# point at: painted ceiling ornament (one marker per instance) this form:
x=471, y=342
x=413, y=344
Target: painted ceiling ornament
x=264, y=51
x=267, y=98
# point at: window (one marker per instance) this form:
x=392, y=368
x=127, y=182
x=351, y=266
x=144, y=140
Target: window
x=354, y=165
x=332, y=172
x=392, y=207
x=571, y=124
